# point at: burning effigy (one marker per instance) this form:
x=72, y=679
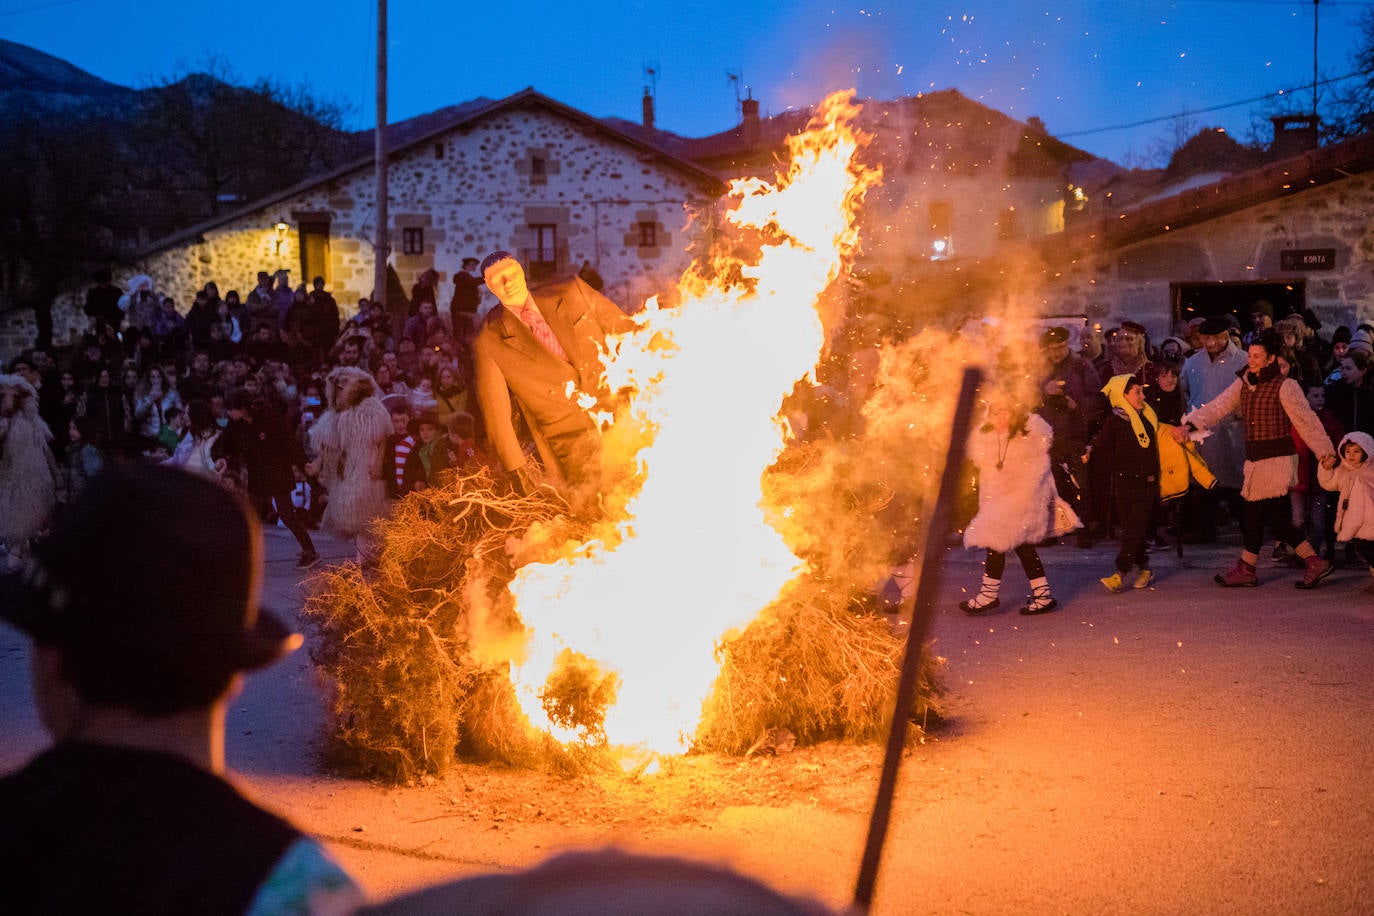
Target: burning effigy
x=715, y=595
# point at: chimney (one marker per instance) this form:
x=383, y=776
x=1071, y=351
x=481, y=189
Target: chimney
x=648, y=103
x=750, y=109
x=1294, y=134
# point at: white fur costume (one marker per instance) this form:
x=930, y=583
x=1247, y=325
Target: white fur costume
x=1015, y=487
x=28, y=472
x=349, y=439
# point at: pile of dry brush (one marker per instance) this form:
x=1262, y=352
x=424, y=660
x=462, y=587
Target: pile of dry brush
x=403, y=646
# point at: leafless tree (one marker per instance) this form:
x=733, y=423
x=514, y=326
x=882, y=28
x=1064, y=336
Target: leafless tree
x=218, y=141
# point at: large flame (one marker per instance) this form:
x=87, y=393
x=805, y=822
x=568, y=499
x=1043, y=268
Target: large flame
x=695, y=558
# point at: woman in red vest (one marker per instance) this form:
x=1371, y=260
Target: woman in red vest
x=1271, y=408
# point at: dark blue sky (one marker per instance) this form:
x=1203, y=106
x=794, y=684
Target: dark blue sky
x=1080, y=65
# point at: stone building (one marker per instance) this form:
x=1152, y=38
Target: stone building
x=1297, y=233
x=525, y=173
x=978, y=214
x=959, y=179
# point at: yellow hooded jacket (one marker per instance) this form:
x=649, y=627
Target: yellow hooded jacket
x=1178, y=464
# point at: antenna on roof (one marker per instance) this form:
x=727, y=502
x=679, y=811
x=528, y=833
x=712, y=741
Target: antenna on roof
x=651, y=78
x=650, y=92
x=736, y=77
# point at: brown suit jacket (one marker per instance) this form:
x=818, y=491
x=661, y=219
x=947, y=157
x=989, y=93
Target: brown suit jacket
x=510, y=360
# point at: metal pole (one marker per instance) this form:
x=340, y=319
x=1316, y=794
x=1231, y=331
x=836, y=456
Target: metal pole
x=1316, y=17
x=921, y=607
x=382, y=245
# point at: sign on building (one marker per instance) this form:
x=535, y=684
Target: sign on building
x=1307, y=259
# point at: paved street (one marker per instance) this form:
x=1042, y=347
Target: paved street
x=1181, y=749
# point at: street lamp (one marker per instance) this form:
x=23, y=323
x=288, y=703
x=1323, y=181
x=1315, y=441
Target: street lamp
x=280, y=228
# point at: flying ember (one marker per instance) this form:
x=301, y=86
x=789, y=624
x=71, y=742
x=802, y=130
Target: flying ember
x=692, y=557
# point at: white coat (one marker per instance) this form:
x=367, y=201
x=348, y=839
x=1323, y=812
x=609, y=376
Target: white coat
x=1015, y=499
x=1355, y=511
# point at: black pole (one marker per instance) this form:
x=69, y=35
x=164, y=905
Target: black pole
x=921, y=607
x=1316, y=22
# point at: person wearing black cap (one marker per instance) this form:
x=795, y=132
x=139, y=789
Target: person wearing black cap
x=467, y=298
x=1129, y=355
x=258, y=439
x=1261, y=320
x=542, y=352
x=1074, y=407
x=143, y=612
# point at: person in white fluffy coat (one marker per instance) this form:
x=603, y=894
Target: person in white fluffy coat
x=1272, y=407
x=29, y=476
x=1352, y=475
x=348, y=440
x=1015, y=498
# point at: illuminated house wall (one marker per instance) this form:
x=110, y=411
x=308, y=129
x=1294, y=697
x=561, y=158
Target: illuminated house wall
x=1133, y=277
x=526, y=174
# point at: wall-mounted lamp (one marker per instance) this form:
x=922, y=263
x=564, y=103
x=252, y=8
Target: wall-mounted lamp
x=280, y=228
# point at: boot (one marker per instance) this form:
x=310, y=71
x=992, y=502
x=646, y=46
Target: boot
x=1113, y=583
x=1317, y=570
x=1240, y=575
x=1040, y=600
x=1143, y=577
x=985, y=600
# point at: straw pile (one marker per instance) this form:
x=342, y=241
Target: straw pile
x=395, y=640
x=404, y=647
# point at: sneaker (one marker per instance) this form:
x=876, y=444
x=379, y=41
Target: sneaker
x=1143, y=578
x=308, y=560
x=1317, y=570
x=1242, y=575
x=1113, y=583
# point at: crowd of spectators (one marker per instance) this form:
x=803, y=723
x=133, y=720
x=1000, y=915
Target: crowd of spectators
x=151, y=382
x=1186, y=370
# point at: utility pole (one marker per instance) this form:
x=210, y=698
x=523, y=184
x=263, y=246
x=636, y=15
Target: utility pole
x=1316, y=16
x=382, y=247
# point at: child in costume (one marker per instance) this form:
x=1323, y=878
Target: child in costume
x=1128, y=444
x=1353, y=477
x=1015, y=494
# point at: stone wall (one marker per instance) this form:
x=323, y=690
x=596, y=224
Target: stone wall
x=469, y=192
x=464, y=195
x=1134, y=281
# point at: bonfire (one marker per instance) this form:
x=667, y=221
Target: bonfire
x=720, y=597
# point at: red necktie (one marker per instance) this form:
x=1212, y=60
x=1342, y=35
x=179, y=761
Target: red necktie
x=541, y=331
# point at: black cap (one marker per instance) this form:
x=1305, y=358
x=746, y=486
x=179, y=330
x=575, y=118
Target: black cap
x=1217, y=324
x=157, y=564
x=1054, y=335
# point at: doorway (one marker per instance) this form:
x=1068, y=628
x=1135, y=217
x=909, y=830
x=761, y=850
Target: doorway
x=1204, y=300
x=314, y=235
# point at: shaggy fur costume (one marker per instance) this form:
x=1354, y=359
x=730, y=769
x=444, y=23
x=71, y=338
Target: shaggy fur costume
x=1014, y=500
x=349, y=438
x=28, y=472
